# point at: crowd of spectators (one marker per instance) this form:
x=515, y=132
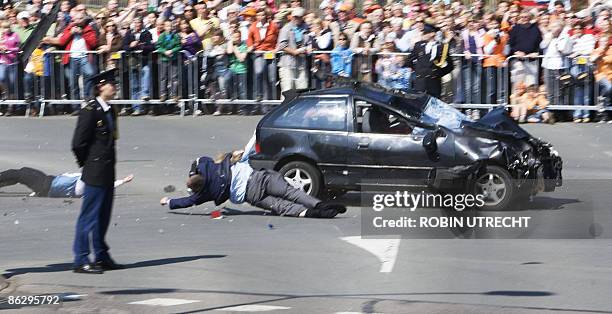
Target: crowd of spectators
x=560, y=55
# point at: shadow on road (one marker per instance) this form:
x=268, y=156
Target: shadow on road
x=51, y=268
x=226, y=212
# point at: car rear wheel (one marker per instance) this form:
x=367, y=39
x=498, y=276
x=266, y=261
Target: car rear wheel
x=496, y=185
x=303, y=176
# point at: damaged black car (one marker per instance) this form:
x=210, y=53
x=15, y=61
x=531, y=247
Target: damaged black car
x=330, y=141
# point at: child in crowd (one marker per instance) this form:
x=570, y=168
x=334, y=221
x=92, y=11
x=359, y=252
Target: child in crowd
x=537, y=102
x=400, y=79
x=519, y=109
x=168, y=46
x=342, y=57
x=238, y=51
x=217, y=50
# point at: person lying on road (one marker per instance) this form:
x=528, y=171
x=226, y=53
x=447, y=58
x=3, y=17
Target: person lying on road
x=67, y=185
x=231, y=177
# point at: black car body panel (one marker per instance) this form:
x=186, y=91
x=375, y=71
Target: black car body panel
x=438, y=157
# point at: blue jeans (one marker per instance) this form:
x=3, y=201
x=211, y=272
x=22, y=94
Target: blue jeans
x=605, y=90
x=556, y=95
x=7, y=78
x=79, y=67
x=581, y=90
x=472, y=74
x=140, y=83
x=94, y=219
x=265, y=77
x=491, y=97
x=239, y=83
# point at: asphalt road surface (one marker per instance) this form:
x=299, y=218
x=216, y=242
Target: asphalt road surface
x=185, y=262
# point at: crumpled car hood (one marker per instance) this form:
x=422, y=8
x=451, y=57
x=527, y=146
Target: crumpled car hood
x=499, y=123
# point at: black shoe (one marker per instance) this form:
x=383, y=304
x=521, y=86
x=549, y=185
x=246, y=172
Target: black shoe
x=326, y=210
x=341, y=209
x=109, y=264
x=88, y=269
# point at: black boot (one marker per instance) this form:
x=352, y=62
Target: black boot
x=326, y=210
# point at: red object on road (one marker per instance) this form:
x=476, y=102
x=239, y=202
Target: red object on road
x=216, y=214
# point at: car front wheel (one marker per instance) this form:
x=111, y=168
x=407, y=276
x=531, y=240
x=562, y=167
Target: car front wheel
x=303, y=176
x=495, y=183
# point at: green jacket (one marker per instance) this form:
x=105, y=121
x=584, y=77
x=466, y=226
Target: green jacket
x=168, y=42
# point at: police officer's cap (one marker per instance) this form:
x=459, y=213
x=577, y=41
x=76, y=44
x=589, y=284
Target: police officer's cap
x=108, y=76
x=429, y=29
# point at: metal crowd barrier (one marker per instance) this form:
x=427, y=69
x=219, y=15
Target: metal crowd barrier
x=186, y=78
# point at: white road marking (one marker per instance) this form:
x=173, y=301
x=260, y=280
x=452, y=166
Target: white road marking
x=384, y=249
x=254, y=308
x=609, y=153
x=164, y=302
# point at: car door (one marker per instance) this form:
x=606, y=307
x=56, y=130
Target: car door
x=383, y=151
x=314, y=127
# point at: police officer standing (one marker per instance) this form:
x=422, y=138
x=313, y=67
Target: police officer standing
x=93, y=145
x=428, y=60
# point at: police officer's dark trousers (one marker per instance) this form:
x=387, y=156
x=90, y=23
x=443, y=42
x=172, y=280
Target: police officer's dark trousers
x=269, y=190
x=93, y=220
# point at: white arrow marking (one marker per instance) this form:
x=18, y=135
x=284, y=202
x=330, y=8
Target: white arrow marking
x=384, y=249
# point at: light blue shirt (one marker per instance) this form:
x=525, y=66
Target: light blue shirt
x=64, y=185
x=241, y=171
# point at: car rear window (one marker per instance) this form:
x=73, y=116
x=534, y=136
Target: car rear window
x=312, y=113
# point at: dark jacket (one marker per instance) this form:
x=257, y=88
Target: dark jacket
x=525, y=38
x=145, y=44
x=93, y=144
x=217, y=182
x=428, y=75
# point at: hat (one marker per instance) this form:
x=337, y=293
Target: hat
x=344, y=7
x=249, y=12
x=372, y=8
x=429, y=29
x=233, y=8
x=23, y=15
x=298, y=12
x=104, y=77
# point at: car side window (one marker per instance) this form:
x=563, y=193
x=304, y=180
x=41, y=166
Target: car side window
x=313, y=113
x=371, y=118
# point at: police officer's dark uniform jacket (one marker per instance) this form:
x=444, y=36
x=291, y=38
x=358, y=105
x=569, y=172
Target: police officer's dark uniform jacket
x=93, y=144
x=217, y=182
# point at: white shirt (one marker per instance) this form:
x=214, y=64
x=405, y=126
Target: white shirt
x=430, y=48
x=554, y=58
x=103, y=103
x=78, y=44
x=263, y=29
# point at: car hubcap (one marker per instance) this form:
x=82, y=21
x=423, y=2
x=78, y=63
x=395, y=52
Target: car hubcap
x=493, y=187
x=299, y=179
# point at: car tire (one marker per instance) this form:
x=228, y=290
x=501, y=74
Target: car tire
x=497, y=185
x=304, y=176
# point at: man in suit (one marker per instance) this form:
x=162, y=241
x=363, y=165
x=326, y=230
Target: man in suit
x=93, y=145
x=429, y=62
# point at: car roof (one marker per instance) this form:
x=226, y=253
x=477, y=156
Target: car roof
x=412, y=103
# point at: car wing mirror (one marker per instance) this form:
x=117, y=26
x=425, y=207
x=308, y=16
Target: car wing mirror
x=430, y=145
